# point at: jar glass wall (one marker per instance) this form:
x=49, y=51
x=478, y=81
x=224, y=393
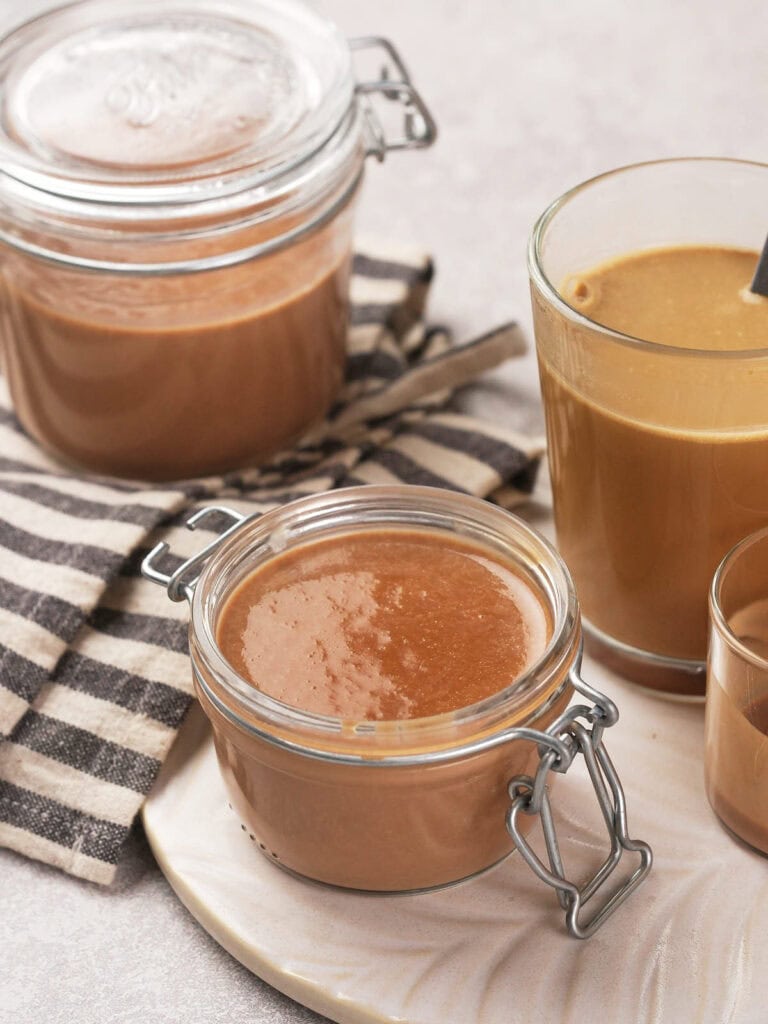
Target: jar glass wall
x=180, y=374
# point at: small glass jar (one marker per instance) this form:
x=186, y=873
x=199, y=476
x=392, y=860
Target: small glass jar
x=736, y=757
x=177, y=184
x=410, y=804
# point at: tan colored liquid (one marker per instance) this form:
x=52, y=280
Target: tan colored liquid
x=737, y=732
x=383, y=625
x=644, y=513
x=687, y=296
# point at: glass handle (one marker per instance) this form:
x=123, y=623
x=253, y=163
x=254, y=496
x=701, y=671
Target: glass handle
x=393, y=83
x=530, y=796
x=180, y=584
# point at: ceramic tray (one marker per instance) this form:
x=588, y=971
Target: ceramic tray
x=689, y=946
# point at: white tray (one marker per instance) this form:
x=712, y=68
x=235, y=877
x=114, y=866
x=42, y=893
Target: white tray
x=689, y=945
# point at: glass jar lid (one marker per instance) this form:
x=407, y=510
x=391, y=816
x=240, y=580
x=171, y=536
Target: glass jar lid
x=111, y=98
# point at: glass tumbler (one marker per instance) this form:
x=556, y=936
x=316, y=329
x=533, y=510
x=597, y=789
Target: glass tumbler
x=657, y=454
x=736, y=760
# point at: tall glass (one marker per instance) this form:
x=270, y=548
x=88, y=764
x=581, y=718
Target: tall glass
x=658, y=455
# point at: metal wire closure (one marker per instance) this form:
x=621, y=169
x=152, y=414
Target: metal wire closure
x=578, y=730
x=531, y=796
x=179, y=584
x=394, y=83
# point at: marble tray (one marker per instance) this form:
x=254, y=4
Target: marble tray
x=690, y=944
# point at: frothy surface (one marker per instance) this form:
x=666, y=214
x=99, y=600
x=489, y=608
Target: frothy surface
x=685, y=296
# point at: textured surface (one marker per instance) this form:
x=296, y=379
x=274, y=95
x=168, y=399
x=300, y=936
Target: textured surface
x=531, y=99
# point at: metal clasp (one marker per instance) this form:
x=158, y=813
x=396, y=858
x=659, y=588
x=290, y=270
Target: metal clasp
x=179, y=585
x=394, y=83
x=531, y=796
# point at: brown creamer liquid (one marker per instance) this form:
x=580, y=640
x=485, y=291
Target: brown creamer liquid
x=644, y=513
x=387, y=624
x=737, y=733
x=383, y=625
x=189, y=375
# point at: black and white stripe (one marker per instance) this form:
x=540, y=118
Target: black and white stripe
x=94, y=676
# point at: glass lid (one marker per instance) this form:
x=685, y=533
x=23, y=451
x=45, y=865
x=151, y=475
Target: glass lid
x=109, y=98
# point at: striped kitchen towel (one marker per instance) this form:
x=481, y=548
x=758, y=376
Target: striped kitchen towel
x=94, y=677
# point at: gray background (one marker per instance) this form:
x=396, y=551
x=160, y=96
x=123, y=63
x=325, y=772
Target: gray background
x=531, y=98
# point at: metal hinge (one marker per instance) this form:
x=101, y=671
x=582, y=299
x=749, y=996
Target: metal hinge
x=394, y=84
x=180, y=584
x=579, y=730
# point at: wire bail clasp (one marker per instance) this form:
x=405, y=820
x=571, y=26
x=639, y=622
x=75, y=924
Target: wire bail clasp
x=180, y=584
x=531, y=796
x=394, y=83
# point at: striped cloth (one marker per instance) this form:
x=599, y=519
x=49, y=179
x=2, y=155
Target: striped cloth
x=94, y=676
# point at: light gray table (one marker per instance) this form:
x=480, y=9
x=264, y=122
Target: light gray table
x=531, y=98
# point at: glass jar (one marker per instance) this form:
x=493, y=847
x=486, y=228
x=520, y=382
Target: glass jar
x=657, y=454
x=410, y=804
x=177, y=183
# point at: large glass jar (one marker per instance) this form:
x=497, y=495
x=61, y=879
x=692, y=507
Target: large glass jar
x=177, y=183
x=416, y=803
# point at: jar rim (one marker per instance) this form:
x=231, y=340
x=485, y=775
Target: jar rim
x=325, y=209
x=376, y=506
x=542, y=282
x=719, y=618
